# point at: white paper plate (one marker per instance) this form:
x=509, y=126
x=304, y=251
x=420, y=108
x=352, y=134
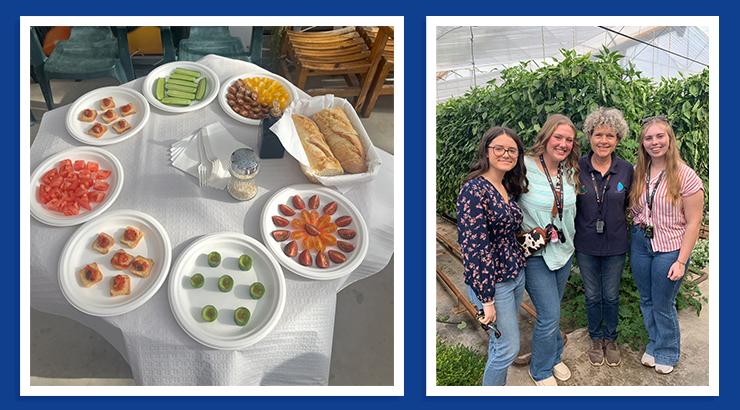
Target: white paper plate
x=163, y=71
x=225, y=88
x=344, y=207
x=78, y=252
x=121, y=96
x=99, y=155
x=187, y=302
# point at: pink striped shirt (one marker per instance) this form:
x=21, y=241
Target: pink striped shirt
x=669, y=220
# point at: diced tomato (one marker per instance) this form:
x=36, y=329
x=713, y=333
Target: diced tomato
x=102, y=174
x=79, y=192
x=84, y=173
x=55, y=193
x=80, y=165
x=44, y=197
x=96, y=196
x=54, y=204
x=65, y=162
x=56, y=182
x=49, y=175
x=93, y=166
x=66, y=171
x=84, y=202
x=71, y=209
x=101, y=186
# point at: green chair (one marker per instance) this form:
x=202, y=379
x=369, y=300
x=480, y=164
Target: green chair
x=90, y=52
x=217, y=40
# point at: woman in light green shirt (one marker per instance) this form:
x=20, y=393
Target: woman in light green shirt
x=552, y=170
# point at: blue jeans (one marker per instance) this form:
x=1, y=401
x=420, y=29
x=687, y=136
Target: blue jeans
x=601, y=279
x=546, y=288
x=503, y=351
x=657, y=298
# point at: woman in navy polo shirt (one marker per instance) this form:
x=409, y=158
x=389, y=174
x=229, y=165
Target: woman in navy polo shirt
x=601, y=229
x=488, y=218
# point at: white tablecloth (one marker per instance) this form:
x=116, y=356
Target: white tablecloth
x=298, y=351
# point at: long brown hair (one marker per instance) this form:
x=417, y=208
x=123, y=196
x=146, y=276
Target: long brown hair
x=515, y=180
x=672, y=162
x=571, y=163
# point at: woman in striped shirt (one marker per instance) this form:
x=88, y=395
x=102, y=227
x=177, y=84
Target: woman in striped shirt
x=667, y=201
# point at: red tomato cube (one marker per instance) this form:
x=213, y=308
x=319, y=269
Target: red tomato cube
x=102, y=174
x=96, y=196
x=101, y=186
x=79, y=165
x=93, y=166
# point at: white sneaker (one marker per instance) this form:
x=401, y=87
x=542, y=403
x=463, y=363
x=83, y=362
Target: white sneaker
x=550, y=381
x=647, y=360
x=561, y=372
x=663, y=368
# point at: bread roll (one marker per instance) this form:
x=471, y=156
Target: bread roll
x=342, y=139
x=319, y=154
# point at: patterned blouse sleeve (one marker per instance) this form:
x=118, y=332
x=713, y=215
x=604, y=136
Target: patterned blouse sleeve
x=475, y=245
x=691, y=182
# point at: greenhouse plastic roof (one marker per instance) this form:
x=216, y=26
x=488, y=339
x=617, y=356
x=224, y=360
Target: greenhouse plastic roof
x=470, y=56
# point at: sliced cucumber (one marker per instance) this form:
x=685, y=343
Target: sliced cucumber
x=178, y=76
x=188, y=83
x=185, y=71
x=245, y=262
x=178, y=87
x=209, y=313
x=242, y=315
x=180, y=94
x=176, y=101
x=257, y=290
x=201, y=91
x=197, y=280
x=225, y=283
x=214, y=259
x=160, y=88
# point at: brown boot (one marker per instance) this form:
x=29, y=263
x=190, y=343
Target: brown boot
x=596, y=352
x=613, y=358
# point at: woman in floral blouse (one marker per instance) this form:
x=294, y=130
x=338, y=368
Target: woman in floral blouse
x=488, y=218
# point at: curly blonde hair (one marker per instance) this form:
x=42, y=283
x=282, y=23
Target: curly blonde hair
x=606, y=117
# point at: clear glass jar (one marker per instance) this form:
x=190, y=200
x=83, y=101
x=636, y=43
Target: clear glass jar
x=244, y=168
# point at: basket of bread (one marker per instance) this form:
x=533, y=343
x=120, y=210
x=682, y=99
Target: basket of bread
x=325, y=135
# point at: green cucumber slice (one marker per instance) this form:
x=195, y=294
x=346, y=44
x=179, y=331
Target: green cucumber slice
x=177, y=76
x=201, y=91
x=185, y=71
x=176, y=101
x=214, y=259
x=225, y=283
x=178, y=87
x=245, y=262
x=242, y=315
x=257, y=290
x=180, y=94
x=188, y=83
x=159, y=93
x=209, y=313
x=197, y=280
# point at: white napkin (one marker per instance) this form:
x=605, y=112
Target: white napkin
x=219, y=144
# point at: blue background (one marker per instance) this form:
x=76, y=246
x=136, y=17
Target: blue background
x=414, y=251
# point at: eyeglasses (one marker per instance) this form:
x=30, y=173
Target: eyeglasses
x=655, y=117
x=499, y=151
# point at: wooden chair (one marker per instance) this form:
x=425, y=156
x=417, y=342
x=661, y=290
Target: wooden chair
x=341, y=52
x=382, y=83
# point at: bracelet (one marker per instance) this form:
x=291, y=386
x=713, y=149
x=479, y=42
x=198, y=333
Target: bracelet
x=489, y=303
x=682, y=263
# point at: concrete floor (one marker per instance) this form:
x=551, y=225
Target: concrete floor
x=362, y=351
x=692, y=370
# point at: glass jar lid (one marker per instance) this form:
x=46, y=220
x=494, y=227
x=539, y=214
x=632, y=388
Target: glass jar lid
x=244, y=162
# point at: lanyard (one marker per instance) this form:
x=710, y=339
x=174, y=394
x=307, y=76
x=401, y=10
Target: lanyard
x=600, y=201
x=558, y=195
x=650, y=196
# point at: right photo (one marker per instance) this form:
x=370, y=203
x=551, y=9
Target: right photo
x=572, y=205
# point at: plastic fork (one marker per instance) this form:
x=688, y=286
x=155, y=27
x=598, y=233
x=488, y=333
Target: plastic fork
x=202, y=176
x=211, y=162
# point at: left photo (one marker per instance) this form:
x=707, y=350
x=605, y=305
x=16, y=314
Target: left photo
x=211, y=205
